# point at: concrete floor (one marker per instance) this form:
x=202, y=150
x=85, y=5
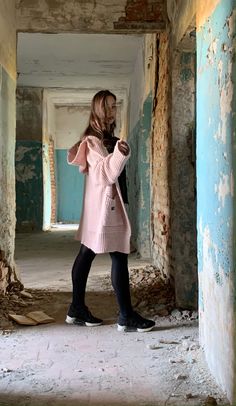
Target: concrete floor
x=57, y=364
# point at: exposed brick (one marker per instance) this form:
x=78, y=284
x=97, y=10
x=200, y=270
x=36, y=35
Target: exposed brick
x=53, y=181
x=161, y=166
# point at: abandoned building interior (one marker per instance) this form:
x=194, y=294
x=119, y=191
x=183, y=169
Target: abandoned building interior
x=171, y=64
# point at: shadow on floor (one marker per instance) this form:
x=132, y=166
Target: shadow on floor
x=26, y=400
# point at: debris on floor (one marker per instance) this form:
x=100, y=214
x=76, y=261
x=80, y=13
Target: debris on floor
x=22, y=307
x=152, y=295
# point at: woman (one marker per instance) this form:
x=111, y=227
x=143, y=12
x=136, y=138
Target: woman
x=104, y=224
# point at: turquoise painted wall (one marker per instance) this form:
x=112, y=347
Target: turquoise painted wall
x=70, y=184
x=138, y=169
x=29, y=186
x=215, y=178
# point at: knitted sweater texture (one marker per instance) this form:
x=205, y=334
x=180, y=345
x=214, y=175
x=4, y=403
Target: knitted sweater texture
x=104, y=224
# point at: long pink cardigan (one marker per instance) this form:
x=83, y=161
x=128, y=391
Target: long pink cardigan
x=104, y=224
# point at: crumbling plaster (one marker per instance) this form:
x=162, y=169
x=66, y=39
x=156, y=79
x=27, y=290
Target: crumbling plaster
x=104, y=16
x=7, y=143
x=28, y=160
x=29, y=113
x=216, y=177
x=160, y=160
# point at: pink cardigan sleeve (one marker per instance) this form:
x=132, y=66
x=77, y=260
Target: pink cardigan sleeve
x=77, y=155
x=105, y=169
x=91, y=157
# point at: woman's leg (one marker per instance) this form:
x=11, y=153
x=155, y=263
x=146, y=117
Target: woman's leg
x=128, y=318
x=120, y=282
x=78, y=312
x=80, y=272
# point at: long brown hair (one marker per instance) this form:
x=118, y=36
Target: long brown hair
x=98, y=123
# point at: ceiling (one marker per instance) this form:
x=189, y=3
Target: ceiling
x=86, y=61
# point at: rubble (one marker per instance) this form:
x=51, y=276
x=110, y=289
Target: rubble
x=152, y=295
x=12, y=303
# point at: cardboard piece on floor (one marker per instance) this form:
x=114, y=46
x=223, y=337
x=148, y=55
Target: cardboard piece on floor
x=22, y=319
x=40, y=317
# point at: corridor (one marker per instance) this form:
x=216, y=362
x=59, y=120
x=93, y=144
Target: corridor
x=171, y=66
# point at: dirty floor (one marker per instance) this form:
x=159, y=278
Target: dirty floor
x=56, y=364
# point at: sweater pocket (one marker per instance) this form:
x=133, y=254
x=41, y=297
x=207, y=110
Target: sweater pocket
x=113, y=212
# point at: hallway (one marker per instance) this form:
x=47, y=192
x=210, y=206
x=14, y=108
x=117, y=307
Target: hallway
x=171, y=66
x=56, y=364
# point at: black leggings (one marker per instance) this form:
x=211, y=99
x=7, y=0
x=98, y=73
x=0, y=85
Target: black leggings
x=119, y=279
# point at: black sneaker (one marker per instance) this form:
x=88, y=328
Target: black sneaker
x=135, y=322
x=83, y=317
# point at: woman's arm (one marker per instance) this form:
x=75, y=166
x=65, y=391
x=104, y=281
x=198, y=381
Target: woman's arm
x=106, y=168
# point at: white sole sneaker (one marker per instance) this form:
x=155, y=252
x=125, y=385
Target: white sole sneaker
x=139, y=330
x=74, y=320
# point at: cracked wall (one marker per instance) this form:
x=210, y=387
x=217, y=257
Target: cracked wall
x=215, y=185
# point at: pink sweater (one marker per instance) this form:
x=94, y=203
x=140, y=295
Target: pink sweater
x=104, y=224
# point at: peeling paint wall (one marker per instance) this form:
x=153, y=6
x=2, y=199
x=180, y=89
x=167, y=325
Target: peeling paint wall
x=160, y=157
x=90, y=16
x=29, y=193
x=7, y=142
x=28, y=160
x=138, y=168
x=215, y=185
x=183, y=180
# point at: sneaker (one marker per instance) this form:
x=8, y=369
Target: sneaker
x=83, y=318
x=135, y=322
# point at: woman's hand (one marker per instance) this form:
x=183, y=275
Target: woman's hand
x=123, y=147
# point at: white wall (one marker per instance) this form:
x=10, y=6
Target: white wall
x=70, y=123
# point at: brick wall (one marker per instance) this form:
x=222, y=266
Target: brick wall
x=53, y=181
x=144, y=10
x=160, y=201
